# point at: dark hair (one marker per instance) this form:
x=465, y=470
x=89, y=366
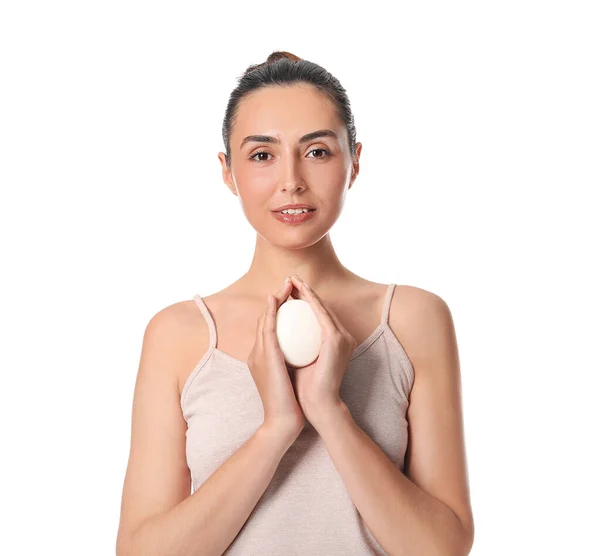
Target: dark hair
x=283, y=68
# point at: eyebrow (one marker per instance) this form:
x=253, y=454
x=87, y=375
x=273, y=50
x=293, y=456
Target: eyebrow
x=304, y=139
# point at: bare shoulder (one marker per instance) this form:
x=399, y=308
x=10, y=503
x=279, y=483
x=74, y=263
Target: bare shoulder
x=419, y=317
x=423, y=322
x=173, y=319
x=415, y=296
x=177, y=323
x=183, y=331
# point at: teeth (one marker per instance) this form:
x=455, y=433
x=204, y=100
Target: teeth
x=294, y=211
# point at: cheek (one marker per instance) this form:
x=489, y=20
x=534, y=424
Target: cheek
x=329, y=184
x=255, y=187
x=333, y=172
x=255, y=200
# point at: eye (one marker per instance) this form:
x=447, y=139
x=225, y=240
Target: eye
x=253, y=157
x=256, y=154
x=320, y=150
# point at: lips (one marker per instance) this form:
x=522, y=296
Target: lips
x=294, y=219
x=293, y=206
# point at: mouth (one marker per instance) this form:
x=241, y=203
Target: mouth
x=304, y=208
x=294, y=218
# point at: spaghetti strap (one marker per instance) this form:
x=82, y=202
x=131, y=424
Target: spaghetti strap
x=209, y=320
x=385, y=311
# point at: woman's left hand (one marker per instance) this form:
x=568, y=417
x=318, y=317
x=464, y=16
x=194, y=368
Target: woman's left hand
x=317, y=385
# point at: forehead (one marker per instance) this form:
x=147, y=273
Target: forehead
x=293, y=109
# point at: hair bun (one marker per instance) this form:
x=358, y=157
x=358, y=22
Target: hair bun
x=277, y=55
x=273, y=57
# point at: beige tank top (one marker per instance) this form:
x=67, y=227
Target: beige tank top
x=306, y=508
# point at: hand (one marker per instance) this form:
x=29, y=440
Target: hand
x=318, y=384
x=271, y=376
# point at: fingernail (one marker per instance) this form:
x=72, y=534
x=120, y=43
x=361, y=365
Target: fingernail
x=287, y=280
x=306, y=286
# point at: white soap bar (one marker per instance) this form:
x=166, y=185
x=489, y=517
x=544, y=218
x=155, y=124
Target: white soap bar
x=298, y=332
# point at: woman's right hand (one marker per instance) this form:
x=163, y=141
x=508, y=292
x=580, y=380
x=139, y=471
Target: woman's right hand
x=267, y=365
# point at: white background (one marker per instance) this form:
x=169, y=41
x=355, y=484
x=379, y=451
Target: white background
x=480, y=124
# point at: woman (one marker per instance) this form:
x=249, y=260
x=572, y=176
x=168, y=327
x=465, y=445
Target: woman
x=330, y=458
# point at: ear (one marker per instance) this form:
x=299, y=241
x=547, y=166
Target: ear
x=226, y=172
x=355, y=164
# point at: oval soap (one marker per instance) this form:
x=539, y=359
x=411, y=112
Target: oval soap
x=298, y=332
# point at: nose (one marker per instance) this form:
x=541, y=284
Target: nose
x=291, y=177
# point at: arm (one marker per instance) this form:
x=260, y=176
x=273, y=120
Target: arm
x=426, y=511
x=158, y=515
x=209, y=520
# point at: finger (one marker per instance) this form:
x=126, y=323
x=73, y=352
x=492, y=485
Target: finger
x=332, y=314
x=295, y=293
x=273, y=305
x=269, y=318
x=329, y=310
x=269, y=334
x=298, y=291
x=280, y=297
x=323, y=316
x=284, y=292
x=305, y=293
x=259, y=331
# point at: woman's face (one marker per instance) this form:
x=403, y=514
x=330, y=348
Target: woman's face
x=268, y=174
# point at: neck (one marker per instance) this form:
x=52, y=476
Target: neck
x=317, y=264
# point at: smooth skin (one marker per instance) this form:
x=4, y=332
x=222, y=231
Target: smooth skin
x=158, y=515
